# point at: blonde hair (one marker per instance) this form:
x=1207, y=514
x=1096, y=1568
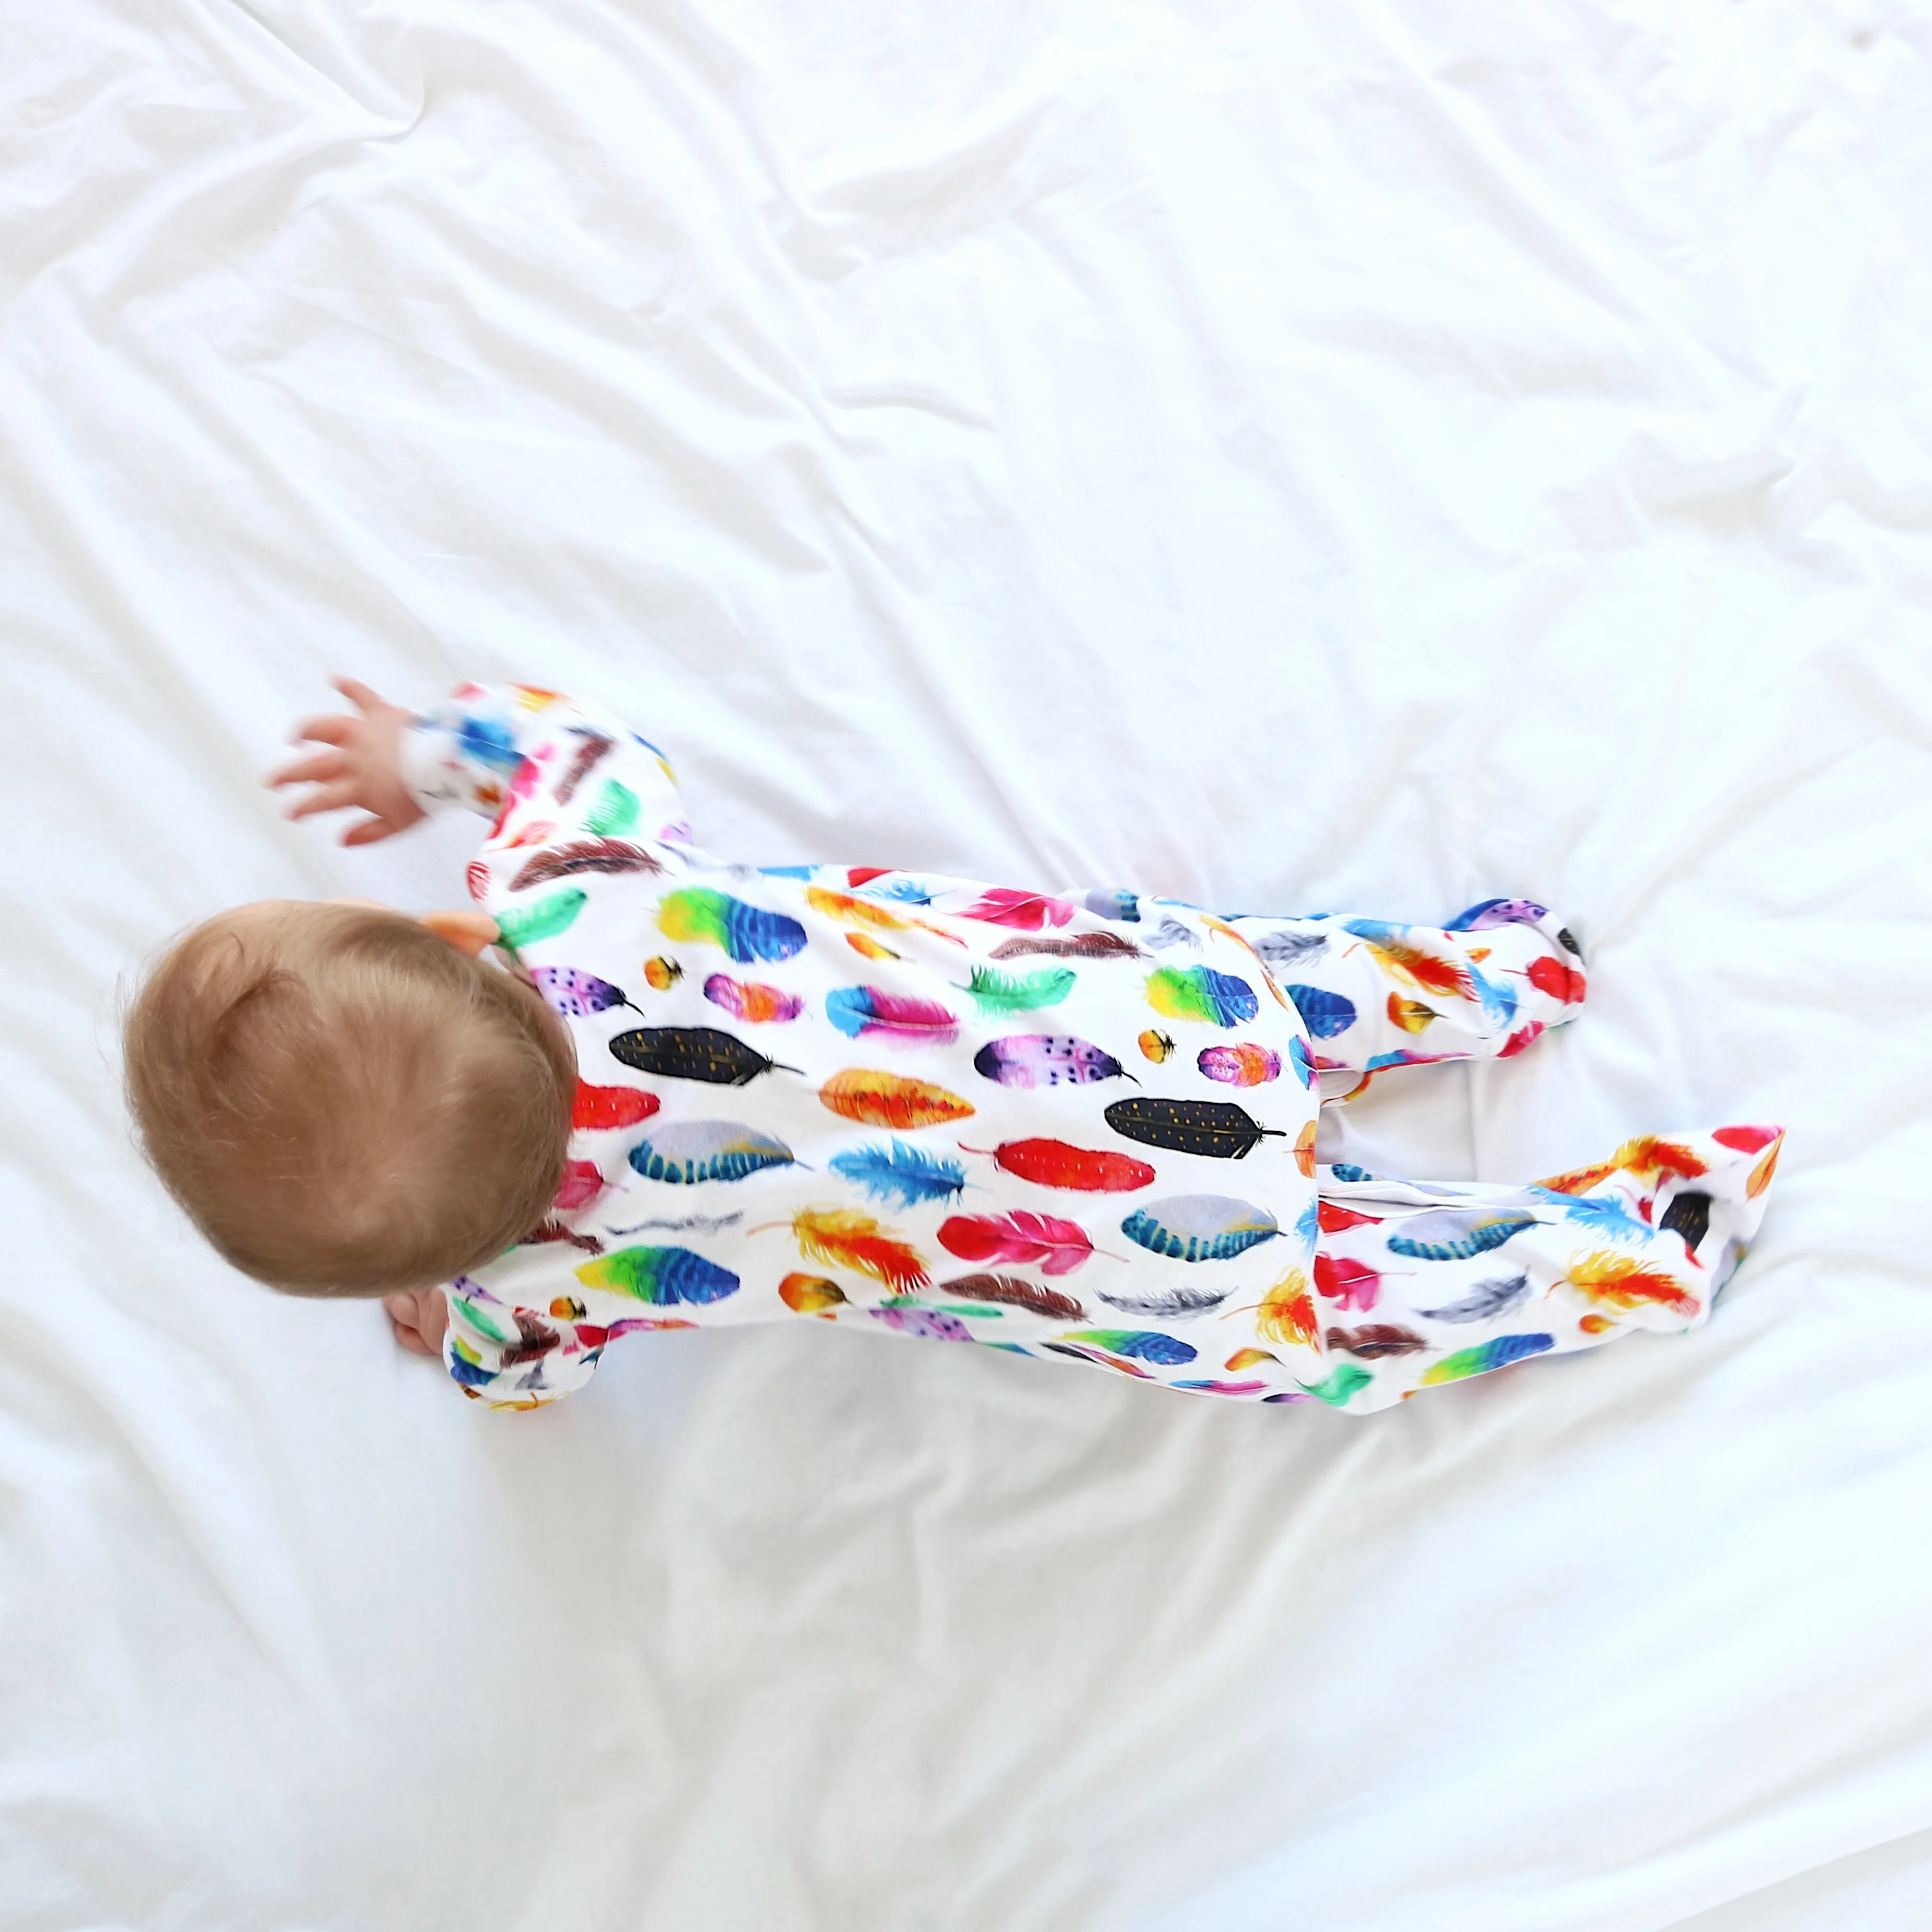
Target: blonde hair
x=342, y=1102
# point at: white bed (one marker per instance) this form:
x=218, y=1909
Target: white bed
x=1366, y=457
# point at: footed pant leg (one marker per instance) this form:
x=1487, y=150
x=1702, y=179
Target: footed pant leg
x=1419, y=1283
x=1375, y=994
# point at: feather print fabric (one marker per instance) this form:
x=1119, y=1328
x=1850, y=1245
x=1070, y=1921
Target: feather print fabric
x=1075, y=1124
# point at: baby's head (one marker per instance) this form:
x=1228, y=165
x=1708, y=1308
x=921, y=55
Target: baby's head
x=344, y=1102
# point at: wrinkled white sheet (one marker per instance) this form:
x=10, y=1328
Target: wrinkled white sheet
x=1364, y=457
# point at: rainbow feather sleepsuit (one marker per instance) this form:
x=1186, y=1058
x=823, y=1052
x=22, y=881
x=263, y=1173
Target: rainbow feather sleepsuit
x=1079, y=1124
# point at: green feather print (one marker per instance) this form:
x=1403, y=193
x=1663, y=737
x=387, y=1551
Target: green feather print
x=541, y=919
x=998, y=992
x=1340, y=1383
x=615, y=812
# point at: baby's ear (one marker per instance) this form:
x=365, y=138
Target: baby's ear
x=468, y=931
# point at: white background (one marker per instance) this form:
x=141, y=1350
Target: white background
x=1364, y=457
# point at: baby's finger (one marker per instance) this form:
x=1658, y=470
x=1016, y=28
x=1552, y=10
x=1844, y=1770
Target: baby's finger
x=333, y=730
x=318, y=769
x=366, y=831
x=328, y=798
x=358, y=694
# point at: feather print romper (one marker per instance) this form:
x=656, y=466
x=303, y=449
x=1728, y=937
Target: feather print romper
x=1077, y=1125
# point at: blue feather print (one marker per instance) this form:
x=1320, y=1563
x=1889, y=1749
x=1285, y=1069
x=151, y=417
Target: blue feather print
x=1325, y=1014
x=905, y=1175
x=1498, y=1001
x=1597, y=1215
x=1308, y=1229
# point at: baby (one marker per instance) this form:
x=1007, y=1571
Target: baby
x=691, y=1094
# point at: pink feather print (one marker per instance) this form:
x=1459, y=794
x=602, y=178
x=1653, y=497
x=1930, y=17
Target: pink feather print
x=1346, y=1283
x=861, y=1012
x=1059, y=1246
x=1000, y=905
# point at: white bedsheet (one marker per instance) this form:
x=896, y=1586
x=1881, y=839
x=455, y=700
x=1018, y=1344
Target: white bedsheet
x=1361, y=457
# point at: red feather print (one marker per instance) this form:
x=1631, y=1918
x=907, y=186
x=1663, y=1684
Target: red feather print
x=1000, y=905
x=1333, y=1218
x=1652, y=1158
x=611, y=1106
x=476, y=876
x=856, y=876
x=581, y=1185
x=1746, y=1140
x=1057, y=1164
x=1346, y=1283
x=1559, y=981
x=1059, y=1246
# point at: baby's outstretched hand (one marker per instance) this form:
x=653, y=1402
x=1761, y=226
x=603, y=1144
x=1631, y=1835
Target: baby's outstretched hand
x=364, y=769
x=419, y=1317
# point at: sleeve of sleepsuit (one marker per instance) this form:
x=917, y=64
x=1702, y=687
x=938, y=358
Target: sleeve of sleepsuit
x=515, y=1358
x=1375, y=993
x=561, y=768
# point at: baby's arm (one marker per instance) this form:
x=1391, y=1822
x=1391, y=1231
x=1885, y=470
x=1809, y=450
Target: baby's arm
x=557, y=769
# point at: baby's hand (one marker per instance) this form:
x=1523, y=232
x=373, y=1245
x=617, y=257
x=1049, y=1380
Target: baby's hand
x=364, y=770
x=419, y=1317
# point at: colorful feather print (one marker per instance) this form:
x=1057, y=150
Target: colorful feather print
x=997, y=993
x=476, y=877
x=1146, y=1345
x=1200, y=1227
x=615, y=811
x=584, y=855
x=586, y=755
x=844, y=1237
x=555, y=1230
x=1624, y=1282
x=580, y=1185
x=598, y=1107
x=659, y=1275
x=1496, y=1354
x=810, y=1294
x=1457, y=1235
x=1200, y=993
x=1111, y=902
x=1009, y=1291
x=1287, y=1311
x=1081, y=1352
x=1325, y=1014
x=900, y=892
x=905, y=1175
x=1688, y=1217
x=1000, y=905
x=519, y=926
x=1497, y=912
x=1045, y=1060
x=1050, y=1163
x=867, y=947
x=746, y=932
x=1338, y=1386
x=488, y=742
x=693, y=1053
x=752, y=1002
x=1598, y=1214
x=1304, y=1067
x=1281, y=950
x=1551, y=976
x=1374, y=1339
x=1244, y=1065
x=1249, y=1358
x=687, y=1151
x=1058, y=1246
x=864, y=1013
x=1411, y=1015
x=1171, y=932
x=1483, y=1303
x=851, y=911
x=1348, y=1284
x=1746, y=1140
x=933, y=1325
x=877, y=1099
x=575, y=993
x=1167, y=1304
x=1071, y=946
x=1216, y=1128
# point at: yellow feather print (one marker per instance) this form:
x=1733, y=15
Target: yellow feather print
x=876, y=1099
x=1411, y=1015
x=1287, y=1311
x=846, y=1238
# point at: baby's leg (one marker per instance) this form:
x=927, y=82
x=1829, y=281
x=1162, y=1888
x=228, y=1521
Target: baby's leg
x=1375, y=994
x=1417, y=1284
